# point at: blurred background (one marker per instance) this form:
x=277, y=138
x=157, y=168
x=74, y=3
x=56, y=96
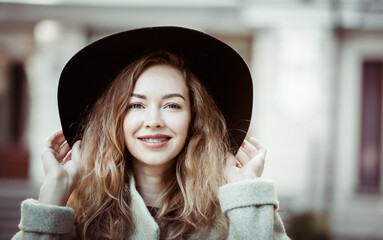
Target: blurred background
x=317, y=68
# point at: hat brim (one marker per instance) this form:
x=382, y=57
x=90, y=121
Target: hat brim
x=220, y=68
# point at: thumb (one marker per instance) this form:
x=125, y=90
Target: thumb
x=76, y=150
x=230, y=160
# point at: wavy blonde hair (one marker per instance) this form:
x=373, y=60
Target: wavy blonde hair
x=189, y=203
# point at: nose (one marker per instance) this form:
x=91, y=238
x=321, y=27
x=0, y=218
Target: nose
x=154, y=119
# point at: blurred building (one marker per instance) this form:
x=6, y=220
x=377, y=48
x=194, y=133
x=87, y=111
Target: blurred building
x=317, y=67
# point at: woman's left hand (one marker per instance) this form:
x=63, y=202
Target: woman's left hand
x=247, y=164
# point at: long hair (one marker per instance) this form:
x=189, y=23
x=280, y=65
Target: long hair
x=189, y=203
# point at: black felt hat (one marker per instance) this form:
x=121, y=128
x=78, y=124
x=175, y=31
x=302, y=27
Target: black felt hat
x=220, y=68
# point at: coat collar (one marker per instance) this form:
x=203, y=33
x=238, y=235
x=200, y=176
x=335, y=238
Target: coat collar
x=146, y=227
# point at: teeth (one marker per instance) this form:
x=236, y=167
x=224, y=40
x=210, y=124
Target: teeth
x=154, y=140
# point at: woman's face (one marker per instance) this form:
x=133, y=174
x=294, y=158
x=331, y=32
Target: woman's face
x=157, y=122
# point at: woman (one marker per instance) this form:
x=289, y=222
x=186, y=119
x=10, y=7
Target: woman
x=154, y=161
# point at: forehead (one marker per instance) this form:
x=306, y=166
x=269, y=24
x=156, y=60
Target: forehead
x=161, y=78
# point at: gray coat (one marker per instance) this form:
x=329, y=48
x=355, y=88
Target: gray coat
x=251, y=207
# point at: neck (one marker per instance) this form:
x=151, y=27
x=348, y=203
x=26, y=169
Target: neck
x=149, y=182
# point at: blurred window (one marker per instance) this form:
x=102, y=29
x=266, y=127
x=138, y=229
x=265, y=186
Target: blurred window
x=371, y=126
x=14, y=156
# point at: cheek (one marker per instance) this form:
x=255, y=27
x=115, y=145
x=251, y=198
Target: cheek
x=125, y=127
x=181, y=126
x=129, y=125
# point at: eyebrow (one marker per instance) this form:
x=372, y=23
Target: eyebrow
x=173, y=95
x=167, y=96
x=138, y=96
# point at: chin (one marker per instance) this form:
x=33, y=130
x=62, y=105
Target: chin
x=154, y=161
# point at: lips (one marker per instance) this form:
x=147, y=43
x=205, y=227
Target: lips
x=155, y=141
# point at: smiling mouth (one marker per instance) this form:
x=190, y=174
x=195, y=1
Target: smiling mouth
x=155, y=140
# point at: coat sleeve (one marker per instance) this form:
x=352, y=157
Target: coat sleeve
x=40, y=222
x=251, y=207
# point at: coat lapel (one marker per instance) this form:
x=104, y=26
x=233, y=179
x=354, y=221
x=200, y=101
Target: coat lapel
x=146, y=227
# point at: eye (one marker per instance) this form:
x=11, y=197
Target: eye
x=136, y=106
x=173, y=106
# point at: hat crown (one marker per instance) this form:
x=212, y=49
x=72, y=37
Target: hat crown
x=220, y=68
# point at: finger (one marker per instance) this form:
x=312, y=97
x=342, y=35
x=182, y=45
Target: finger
x=234, y=161
x=257, y=164
x=59, y=143
x=258, y=144
x=242, y=157
x=64, y=150
x=75, y=153
x=56, y=140
x=67, y=157
x=54, y=137
x=49, y=160
x=249, y=149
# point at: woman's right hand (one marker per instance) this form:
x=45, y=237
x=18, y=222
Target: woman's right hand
x=61, y=168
